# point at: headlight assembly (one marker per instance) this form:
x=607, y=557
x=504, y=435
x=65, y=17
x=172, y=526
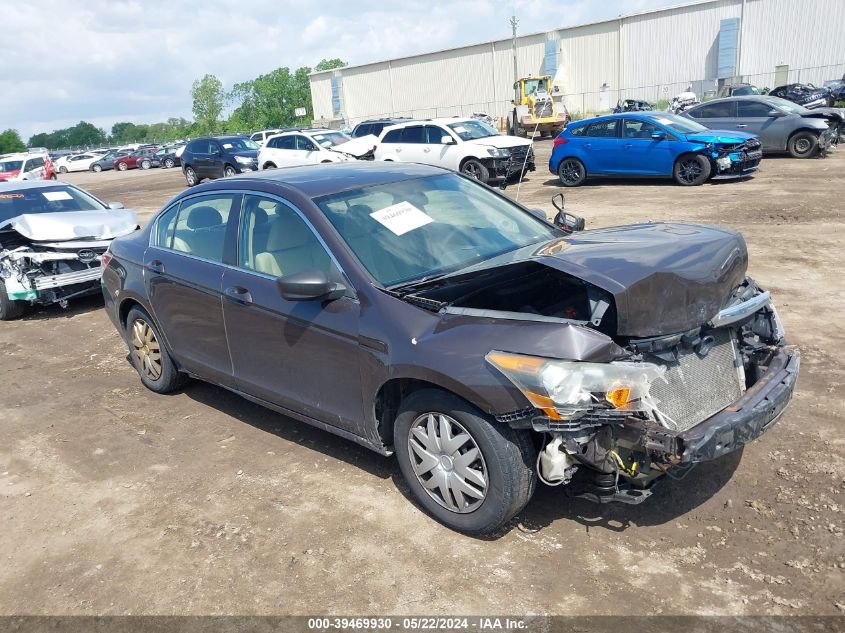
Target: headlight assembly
x=565, y=390
x=497, y=152
x=244, y=160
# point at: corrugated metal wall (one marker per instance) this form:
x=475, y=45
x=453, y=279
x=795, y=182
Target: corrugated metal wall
x=650, y=56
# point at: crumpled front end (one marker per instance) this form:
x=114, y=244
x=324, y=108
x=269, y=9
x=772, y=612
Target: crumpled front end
x=676, y=401
x=736, y=160
x=40, y=274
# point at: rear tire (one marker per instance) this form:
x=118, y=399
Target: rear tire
x=149, y=355
x=270, y=166
x=169, y=164
x=495, y=460
x=571, y=172
x=191, y=176
x=63, y=170
x=691, y=170
x=122, y=166
x=145, y=164
x=9, y=309
x=802, y=144
x=475, y=169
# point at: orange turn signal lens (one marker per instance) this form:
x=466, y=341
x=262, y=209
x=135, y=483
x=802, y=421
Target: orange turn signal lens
x=513, y=362
x=619, y=396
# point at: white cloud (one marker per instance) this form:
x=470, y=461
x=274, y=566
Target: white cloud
x=110, y=60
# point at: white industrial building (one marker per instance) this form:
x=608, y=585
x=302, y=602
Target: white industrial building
x=650, y=56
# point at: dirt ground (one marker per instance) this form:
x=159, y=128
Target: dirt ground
x=115, y=500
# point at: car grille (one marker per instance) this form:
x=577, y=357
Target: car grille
x=696, y=388
x=518, y=154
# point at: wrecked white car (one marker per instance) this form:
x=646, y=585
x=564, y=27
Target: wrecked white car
x=52, y=238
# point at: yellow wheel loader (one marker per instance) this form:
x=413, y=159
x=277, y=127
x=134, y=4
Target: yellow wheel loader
x=535, y=108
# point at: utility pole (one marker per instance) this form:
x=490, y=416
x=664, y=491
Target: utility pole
x=514, y=22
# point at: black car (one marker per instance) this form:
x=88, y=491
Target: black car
x=806, y=95
x=219, y=156
x=375, y=126
x=165, y=158
x=420, y=313
x=836, y=87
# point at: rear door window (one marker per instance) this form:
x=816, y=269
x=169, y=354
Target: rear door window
x=720, y=110
x=393, y=136
x=200, y=226
x=603, y=129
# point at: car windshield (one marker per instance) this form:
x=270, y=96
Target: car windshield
x=420, y=228
x=678, y=124
x=330, y=139
x=53, y=199
x=787, y=106
x=10, y=165
x=238, y=144
x=471, y=130
x=834, y=83
x=746, y=90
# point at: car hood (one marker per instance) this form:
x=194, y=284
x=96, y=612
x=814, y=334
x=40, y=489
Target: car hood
x=500, y=141
x=727, y=137
x=665, y=278
x=357, y=146
x=73, y=225
x=247, y=153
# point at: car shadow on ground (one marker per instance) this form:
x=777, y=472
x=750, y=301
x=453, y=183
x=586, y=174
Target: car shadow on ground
x=76, y=307
x=290, y=429
x=594, y=183
x=549, y=506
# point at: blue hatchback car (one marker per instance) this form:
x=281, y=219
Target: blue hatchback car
x=651, y=144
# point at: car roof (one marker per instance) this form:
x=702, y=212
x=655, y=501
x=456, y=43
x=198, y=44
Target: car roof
x=320, y=180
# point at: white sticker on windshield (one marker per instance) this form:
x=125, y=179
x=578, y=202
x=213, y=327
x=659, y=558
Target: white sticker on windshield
x=227, y=146
x=460, y=129
x=401, y=217
x=53, y=196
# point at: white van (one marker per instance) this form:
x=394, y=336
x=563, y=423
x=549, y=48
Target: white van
x=26, y=166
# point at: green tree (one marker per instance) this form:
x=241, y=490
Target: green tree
x=209, y=98
x=10, y=141
x=329, y=64
x=84, y=133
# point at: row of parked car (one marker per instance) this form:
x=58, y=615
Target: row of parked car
x=121, y=159
x=719, y=139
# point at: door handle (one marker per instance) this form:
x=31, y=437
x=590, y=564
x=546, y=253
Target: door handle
x=626, y=145
x=427, y=149
x=398, y=149
x=238, y=294
x=741, y=125
x=156, y=266
x=587, y=145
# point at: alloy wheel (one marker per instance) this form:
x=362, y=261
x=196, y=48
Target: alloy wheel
x=447, y=462
x=570, y=171
x=690, y=170
x=191, y=177
x=145, y=349
x=472, y=170
x=168, y=163
x=229, y=171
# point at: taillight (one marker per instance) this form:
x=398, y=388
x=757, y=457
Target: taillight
x=105, y=259
x=560, y=140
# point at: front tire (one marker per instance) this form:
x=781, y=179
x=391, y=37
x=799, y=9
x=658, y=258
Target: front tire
x=149, y=356
x=466, y=470
x=802, y=144
x=270, y=166
x=191, y=176
x=229, y=171
x=97, y=169
x=169, y=164
x=9, y=309
x=571, y=172
x=122, y=166
x=475, y=169
x=691, y=170
x=63, y=170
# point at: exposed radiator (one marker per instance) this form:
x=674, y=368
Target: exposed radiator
x=696, y=388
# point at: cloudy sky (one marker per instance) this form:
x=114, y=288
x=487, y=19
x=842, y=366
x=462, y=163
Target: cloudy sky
x=134, y=60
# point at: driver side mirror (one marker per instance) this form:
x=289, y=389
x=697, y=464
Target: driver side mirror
x=565, y=221
x=659, y=135
x=774, y=113
x=309, y=285
x=447, y=140
x=116, y=205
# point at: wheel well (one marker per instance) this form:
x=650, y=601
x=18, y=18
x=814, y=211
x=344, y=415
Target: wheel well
x=125, y=308
x=803, y=129
x=465, y=159
x=390, y=397
x=685, y=154
x=269, y=165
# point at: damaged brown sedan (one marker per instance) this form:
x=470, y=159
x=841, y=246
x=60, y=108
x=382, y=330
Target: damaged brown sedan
x=421, y=314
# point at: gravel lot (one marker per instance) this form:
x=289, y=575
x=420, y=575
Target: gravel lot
x=115, y=500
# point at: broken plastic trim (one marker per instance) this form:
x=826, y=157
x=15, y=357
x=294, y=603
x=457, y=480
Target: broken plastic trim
x=740, y=311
